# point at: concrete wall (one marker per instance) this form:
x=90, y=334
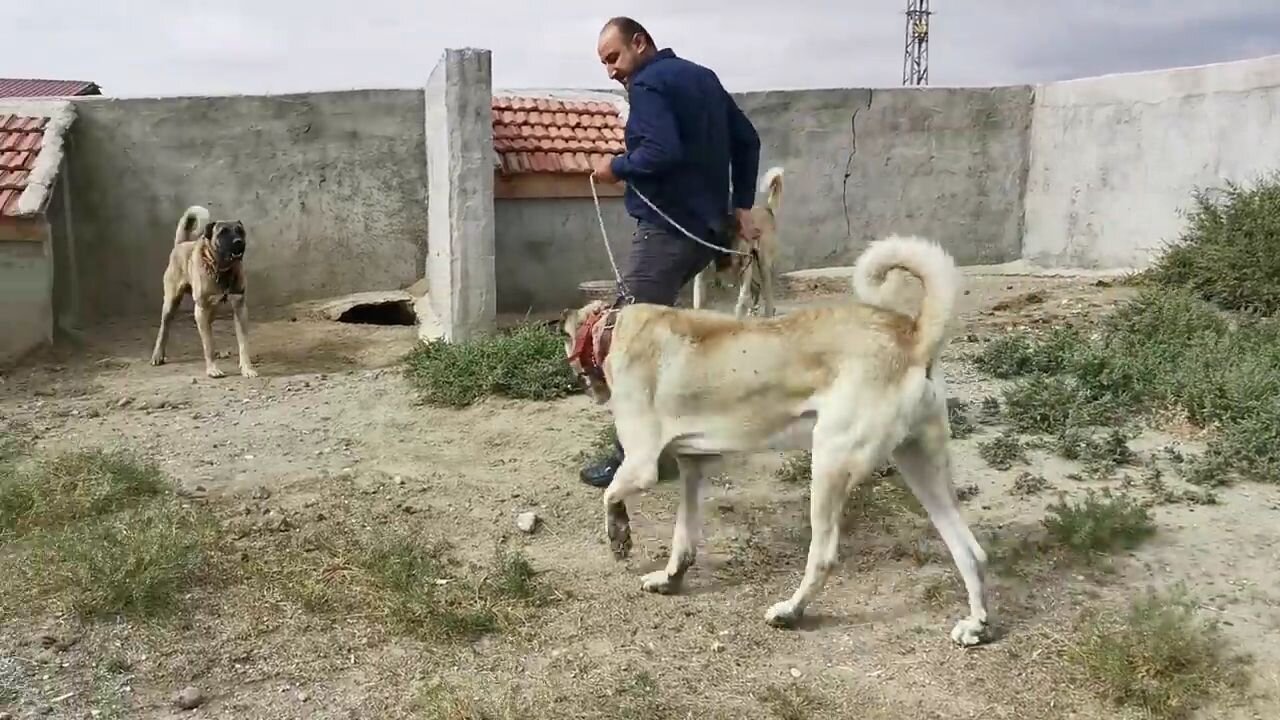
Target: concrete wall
x=946, y=163
x=331, y=186
x=26, y=288
x=1114, y=159
x=950, y=164
x=546, y=247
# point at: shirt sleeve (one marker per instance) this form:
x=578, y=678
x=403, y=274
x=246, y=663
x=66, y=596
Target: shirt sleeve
x=744, y=149
x=652, y=121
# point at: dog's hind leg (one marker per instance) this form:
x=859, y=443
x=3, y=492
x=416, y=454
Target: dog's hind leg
x=700, y=289
x=204, y=323
x=241, y=315
x=745, y=284
x=684, y=541
x=764, y=274
x=837, y=458
x=167, y=313
x=925, y=465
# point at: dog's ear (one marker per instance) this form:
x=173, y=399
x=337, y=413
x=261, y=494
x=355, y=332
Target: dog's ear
x=208, y=231
x=239, y=226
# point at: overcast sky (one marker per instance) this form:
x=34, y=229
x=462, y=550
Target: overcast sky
x=171, y=47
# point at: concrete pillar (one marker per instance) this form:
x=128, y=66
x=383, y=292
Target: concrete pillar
x=460, y=217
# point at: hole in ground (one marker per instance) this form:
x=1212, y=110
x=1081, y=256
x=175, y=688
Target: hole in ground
x=392, y=312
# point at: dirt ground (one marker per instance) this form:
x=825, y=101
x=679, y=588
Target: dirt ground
x=331, y=422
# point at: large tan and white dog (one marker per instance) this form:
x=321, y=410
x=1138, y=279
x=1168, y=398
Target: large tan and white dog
x=207, y=262
x=751, y=266
x=857, y=383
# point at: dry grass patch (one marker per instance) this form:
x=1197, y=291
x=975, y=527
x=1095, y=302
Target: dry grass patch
x=1077, y=533
x=400, y=578
x=527, y=363
x=1156, y=657
x=97, y=534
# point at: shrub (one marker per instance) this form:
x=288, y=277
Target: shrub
x=526, y=364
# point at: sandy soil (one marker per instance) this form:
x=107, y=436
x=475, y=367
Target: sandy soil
x=331, y=421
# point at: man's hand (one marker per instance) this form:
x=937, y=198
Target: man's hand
x=746, y=225
x=603, y=171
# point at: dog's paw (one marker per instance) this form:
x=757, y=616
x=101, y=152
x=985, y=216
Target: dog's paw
x=969, y=632
x=659, y=582
x=783, y=615
x=618, y=529
x=248, y=372
x=157, y=360
x=214, y=372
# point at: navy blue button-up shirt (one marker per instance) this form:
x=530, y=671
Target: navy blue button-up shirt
x=686, y=139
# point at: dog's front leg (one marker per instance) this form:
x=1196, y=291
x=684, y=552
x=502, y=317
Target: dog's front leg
x=638, y=472
x=684, y=541
x=204, y=323
x=241, y=313
x=699, y=289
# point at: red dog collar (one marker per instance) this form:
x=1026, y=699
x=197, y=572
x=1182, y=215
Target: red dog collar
x=591, y=344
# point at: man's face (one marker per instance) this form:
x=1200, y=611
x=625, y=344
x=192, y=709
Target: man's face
x=620, y=54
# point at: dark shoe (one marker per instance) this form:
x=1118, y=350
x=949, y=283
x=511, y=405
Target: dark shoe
x=600, y=474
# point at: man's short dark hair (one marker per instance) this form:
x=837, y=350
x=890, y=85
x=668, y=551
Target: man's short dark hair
x=629, y=28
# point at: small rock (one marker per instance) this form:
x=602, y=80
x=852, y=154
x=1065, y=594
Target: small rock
x=276, y=522
x=5, y=716
x=261, y=493
x=189, y=698
x=143, y=405
x=717, y=647
x=124, y=402
x=303, y=696
x=795, y=673
x=527, y=522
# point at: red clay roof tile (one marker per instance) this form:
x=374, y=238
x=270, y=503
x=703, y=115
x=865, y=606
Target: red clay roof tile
x=24, y=87
x=545, y=135
x=20, y=141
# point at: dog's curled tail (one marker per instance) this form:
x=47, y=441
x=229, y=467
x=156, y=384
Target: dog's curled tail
x=935, y=268
x=192, y=222
x=771, y=183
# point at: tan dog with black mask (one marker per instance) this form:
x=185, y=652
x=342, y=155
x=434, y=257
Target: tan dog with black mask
x=207, y=261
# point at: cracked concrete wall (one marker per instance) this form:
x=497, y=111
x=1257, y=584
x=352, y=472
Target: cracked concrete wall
x=946, y=163
x=1114, y=160
x=331, y=186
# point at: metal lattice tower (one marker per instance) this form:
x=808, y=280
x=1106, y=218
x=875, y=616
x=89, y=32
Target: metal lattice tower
x=915, y=59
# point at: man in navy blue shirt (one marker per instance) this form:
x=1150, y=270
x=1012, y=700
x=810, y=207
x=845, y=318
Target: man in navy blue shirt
x=692, y=152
